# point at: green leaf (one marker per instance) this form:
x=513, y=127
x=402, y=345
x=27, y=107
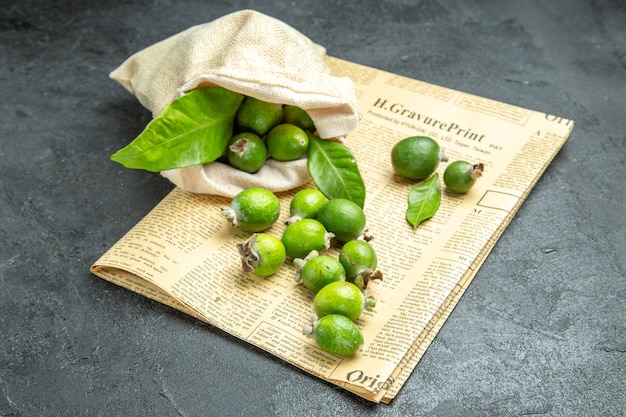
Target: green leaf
x=334, y=170
x=424, y=200
x=192, y=130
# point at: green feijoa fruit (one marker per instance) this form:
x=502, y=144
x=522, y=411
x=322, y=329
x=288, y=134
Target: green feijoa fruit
x=262, y=254
x=316, y=272
x=460, y=176
x=360, y=261
x=416, y=157
x=305, y=204
x=337, y=335
x=304, y=236
x=247, y=152
x=287, y=142
x=253, y=210
x=258, y=116
x=342, y=217
x=297, y=116
x=342, y=297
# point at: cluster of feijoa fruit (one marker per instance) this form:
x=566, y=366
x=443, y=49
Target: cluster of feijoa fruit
x=339, y=284
x=264, y=130
x=417, y=157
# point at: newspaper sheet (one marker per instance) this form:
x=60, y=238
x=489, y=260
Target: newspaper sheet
x=183, y=253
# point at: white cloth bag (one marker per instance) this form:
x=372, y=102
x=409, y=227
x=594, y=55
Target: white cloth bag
x=255, y=55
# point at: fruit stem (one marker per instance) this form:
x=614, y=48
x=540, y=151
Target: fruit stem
x=442, y=156
x=311, y=255
x=364, y=278
x=476, y=170
x=299, y=263
x=230, y=215
x=366, y=236
x=308, y=329
x=239, y=147
x=370, y=303
x=249, y=258
x=293, y=219
x=328, y=240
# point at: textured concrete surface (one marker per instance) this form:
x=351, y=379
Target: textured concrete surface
x=541, y=330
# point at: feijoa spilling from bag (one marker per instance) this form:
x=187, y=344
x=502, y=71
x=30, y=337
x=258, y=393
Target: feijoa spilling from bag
x=210, y=124
x=238, y=74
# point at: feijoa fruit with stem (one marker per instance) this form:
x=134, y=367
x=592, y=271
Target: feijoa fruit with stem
x=262, y=254
x=316, y=271
x=337, y=335
x=342, y=297
x=305, y=204
x=246, y=152
x=460, y=176
x=253, y=210
x=304, y=236
x=360, y=262
x=344, y=218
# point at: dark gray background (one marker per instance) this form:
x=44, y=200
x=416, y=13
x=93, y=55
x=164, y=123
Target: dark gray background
x=541, y=330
